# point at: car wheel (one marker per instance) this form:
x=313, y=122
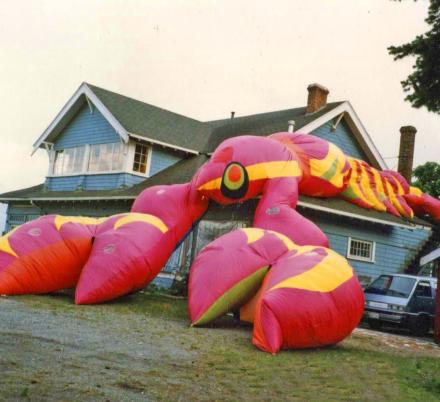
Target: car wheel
x=420, y=326
x=374, y=324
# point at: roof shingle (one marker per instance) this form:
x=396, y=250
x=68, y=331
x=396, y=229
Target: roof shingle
x=153, y=122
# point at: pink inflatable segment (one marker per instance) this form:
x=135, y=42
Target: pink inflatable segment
x=310, y=298
x=130, y=249
x=124, y=258
x=306, y=296
x=229, y=271
x=45, y=255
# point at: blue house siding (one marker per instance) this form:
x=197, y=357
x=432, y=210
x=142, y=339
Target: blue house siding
x=92, y=182
x=92, y=128
x=395, y=247
x=109, y=181
x=342, y=137
x=64, y=183
x=86, y=128
x=162, y=158
x=18, y=214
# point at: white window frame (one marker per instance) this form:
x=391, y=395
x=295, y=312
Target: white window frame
x=128, y=151
x=89, y=154
x=130, y=159
x=54, y=161
x=85, y=166
x=358, y=257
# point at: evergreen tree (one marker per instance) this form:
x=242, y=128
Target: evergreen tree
x=423, y=84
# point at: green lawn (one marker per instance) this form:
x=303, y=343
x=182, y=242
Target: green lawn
x=141, y=348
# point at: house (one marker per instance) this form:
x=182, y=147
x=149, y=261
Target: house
x=105, y=148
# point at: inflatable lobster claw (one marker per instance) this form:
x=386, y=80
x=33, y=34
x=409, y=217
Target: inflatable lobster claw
x=296, y=296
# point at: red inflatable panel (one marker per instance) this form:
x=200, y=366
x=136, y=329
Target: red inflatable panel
x=229, y=271
x=310, y=298
x=45, y=255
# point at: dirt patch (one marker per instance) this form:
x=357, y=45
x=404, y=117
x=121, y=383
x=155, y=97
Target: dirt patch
x=402, y=343
x=141, y=348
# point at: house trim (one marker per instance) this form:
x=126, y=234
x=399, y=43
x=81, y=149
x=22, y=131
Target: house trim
x=87, y=198
x=164, y=144
x=350, y=256
x=99, y=173
x=356, y=126
x=361, y=217
x=90, y=96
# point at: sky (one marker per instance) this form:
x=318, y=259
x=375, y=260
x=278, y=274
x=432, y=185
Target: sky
x=204, y=59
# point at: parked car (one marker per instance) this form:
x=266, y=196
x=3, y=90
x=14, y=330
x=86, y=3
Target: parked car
x=404, y=300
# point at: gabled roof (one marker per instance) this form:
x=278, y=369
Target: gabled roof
x=153, y=123
x=81, y=96
x=356, y=126
x=262, y=124
x=267, y=123
x=132, y=118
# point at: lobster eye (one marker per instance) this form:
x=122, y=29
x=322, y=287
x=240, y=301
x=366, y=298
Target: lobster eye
x=235, y=181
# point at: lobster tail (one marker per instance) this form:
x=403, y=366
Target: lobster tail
x=423, y=203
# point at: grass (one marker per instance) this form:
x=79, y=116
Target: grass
x=218, y=363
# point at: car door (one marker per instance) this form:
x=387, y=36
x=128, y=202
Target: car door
x=422, y=299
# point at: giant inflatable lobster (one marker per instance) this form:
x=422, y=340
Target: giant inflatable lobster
x=280, y=273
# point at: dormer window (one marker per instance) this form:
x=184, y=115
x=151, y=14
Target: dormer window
x=114, y=157
x=140, y=158
x=89, y=159
x=106, y=157
x=69, y=160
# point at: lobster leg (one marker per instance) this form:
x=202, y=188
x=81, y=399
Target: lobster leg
x=276, y=212
x=130, y=250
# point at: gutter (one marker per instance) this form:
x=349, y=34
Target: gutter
x=164, y=144
x=362, y=217
x=300, y=203
x=116, y=197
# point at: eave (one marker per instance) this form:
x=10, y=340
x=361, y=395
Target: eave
x=82, y=95
x=357, y=128
x=339, y=212
x=164, y=144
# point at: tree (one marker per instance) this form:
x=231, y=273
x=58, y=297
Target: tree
x=423, y=84
x=428, y=178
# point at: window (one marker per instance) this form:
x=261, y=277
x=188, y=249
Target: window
x=430, y=269
x=423, y=289
x=140, y=158
x=106, y=157
x=69, y=160
x=390, y=285
x=15, y=220
x=361, y=250
x=208, y=231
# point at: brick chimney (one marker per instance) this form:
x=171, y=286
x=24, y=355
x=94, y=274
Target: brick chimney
x=406, y=151
x=317, y=98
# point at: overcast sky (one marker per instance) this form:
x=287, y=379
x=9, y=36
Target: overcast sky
x=204, y=59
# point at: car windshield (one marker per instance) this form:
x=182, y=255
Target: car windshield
x=388, y=285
